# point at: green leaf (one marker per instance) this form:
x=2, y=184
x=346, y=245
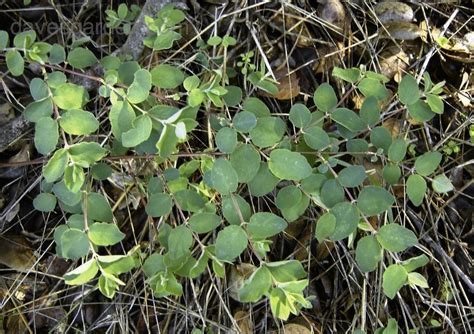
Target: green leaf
x=226, y=140
x=351, y=176
x=57, y=54
x=140, y=87
x=408, y=91
x=74, y=178
x=256, y=106
x=44, y=202
x=246, y=162
x=235, y=209
x=39, y=109
x=264, y=182
x=154, y=264
x=397, y=150
x=159, y=204
x=224, y=177
x=38, y=89
x=374, y=200
x=396, y=238
x=195, y=97
x=394, y=277
x=325, y=226
x=78, y=122
x=74, y=244
x=15, y=62
x=370, y=111
x=331, y=193
x=286, y=271
x=142, y=126
x=316, y=138
x=288, y=197
x=325, y=98
x=180, y=240
x=233, y=97
x=204, y=222
x=256, y=286
x=441, y=184
x=420, y=111
x=415, y=262
x=70, y=96
x=86, y=153
x=98, y=208
x=436, y=103
x=416, y=279
x=109, y=284
x=348, y=119
x=373, y=87
x=101, y=171
x=347, y=219
x=416, y=189
x=427, y=163
x=230, y=243
x=391, y=173
x=81, y=58
x=268, y=131
x=121, y=117
x=165, y=40
x=82, y=274
x=368, y=254
x=189, y=200
x=46, y=135
x=105, y=234
x=288, y=165
x=347, y=74
x=380, y=137
x=54, y=169
x=263, y=225
x=300, y=116
x=244, y=121
x=4, y=39
x=279, y=304
x=65, y=195
x=392, y=327
x=166, y=76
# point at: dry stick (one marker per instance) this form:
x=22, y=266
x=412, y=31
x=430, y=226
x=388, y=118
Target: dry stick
x=438, y=249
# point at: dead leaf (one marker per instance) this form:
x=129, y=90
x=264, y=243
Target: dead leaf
x=238, y=274
x=15, y=253
x=244, y=322
x=288, y=85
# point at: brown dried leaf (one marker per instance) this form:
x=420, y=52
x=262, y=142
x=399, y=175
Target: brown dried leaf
x=393, y=11
x=238, y=274
x=244, y=322
x=15, y=253
x=288, y=85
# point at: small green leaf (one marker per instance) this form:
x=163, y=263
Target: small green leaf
x=436, y=103
x=263, y=182
x=268, y=131
x=373, y=87
x=416, y=279
x=44, y=202
x=39, y=109
x=288, y=165
x=316, y=138
x=256, y=286
x=286, y=271
x=4, y=39
x=441, y=184
x=244, y=121
x=246, y=162
x=233, y=97
x=391, y=173
x=396, y=238
x=46, y=135
x=230, y=243
x=105, y=234
x=74, y=244
x=374, y=200
x=380, y=137
x=347, y=219
x=416, y=189
x=142, y=126
x=263, y=225
x=69, y=96
x=331, y=193
x=420, y=111
x=224, y=177
x=226, y=140
x=78, y=122
x=15, y=62
x=392, y=327
x=165, y=40
x=370, y=111
x=348, y=119
x=82, y=274
x=159, y=204
x=427, y=163
x=300, y=116
x=351, y=176
x=81, y=58
x=204, y=222
x=347, y=74
x=397, y=150
x=325, y=98
x=394, y=278
x=256, y=106
x=86, y=153
x=189, y=200
x=57, y=54
x=140, y=87
x=54, y=169
x=38, y=89
x=74, y=178
x=166, y=76
x=65, y=195
x=415, y=262
x=408, y=91
x=325, y=226
x=368, y=253
x=98, y=208
x=235, y=209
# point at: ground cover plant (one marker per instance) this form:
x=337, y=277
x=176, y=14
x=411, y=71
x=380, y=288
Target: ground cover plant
x=246, y=167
